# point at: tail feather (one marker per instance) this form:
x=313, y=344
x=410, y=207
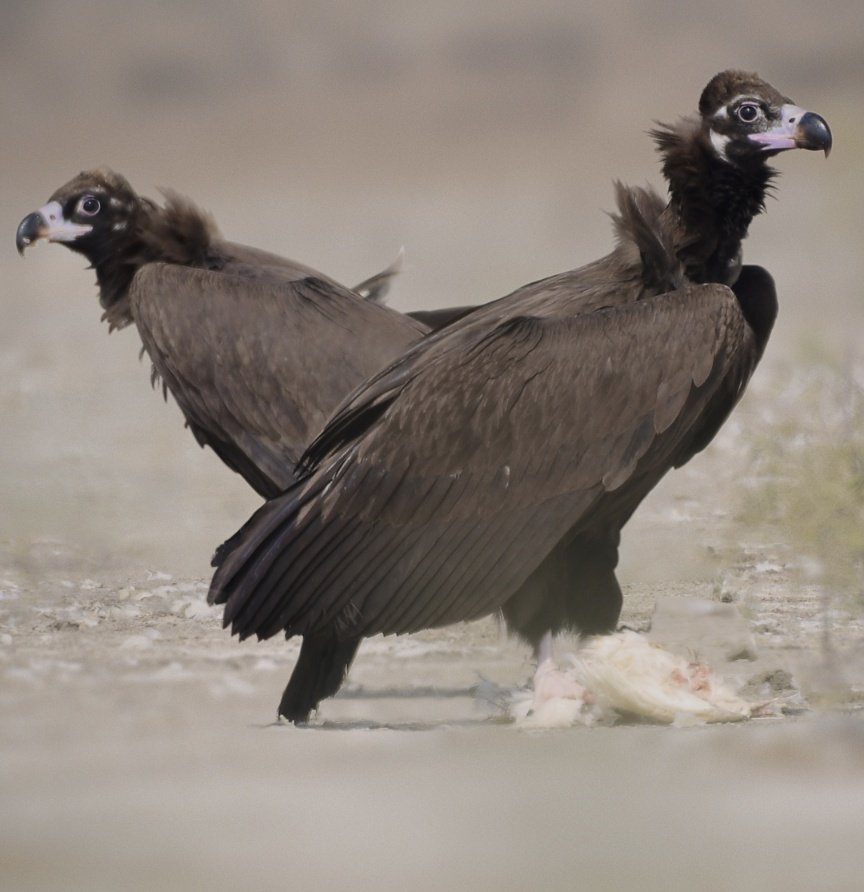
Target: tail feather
x=376, y=288
x=242, y=559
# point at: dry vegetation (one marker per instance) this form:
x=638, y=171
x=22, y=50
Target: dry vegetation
x=807, y=478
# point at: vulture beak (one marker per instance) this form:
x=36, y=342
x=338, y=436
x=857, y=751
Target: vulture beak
x=798, y=129
x=48, y=223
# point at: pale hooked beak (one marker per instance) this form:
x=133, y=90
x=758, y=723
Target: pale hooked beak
x=48, y=223
x=798, y=129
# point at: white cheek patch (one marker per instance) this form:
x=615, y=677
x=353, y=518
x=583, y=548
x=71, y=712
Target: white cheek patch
x=719, y=142
x=57, y=227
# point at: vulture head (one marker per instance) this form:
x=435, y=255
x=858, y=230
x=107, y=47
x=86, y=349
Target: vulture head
x=96, y=209
x=716, y=164
x=98, y=214
x=745, y=119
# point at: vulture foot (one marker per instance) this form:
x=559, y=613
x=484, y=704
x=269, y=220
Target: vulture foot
x=559, y=699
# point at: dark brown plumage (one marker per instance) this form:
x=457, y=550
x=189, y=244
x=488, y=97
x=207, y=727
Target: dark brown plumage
x=493, y=465
x=257, y=350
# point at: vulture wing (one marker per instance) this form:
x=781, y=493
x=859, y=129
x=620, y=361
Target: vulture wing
x=447, y=479
x=255, y=264
x=257, y=370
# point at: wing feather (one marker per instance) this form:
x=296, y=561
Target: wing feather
x=494, y=443
x=257, y=362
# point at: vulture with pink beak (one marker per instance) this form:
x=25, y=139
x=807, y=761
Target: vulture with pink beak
x=493, y=465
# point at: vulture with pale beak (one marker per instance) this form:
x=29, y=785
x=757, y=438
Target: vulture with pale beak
x=493, y=465
x=257, y=350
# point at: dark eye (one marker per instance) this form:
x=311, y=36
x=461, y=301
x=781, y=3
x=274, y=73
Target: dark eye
x=748, y=112
x=89, y=206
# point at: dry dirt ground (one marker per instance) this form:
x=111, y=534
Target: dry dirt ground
x=139, y=749
x=137, y=744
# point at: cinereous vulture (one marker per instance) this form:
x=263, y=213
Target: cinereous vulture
x=493, y=464
x=257, y=350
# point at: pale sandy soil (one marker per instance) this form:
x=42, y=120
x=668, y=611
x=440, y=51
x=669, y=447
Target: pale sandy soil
x=137, y=743
x=139, y=752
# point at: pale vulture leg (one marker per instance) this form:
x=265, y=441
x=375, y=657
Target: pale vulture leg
x=551, y=683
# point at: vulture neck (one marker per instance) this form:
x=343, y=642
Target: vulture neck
x=178, y=233
x=116, y=260
x=711, y=202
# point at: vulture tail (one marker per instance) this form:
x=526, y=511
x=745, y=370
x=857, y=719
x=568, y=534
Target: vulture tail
x=376, y=287
x=320, y=670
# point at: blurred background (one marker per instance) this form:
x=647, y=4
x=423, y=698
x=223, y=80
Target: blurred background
x=482, y=137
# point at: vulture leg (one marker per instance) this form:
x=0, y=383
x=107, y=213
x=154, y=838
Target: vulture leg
x=621, y=670
x=574, y=588
x=320, y=669
x=551, y=683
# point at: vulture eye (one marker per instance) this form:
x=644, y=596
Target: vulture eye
x=748, y=112
x=89, y=206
